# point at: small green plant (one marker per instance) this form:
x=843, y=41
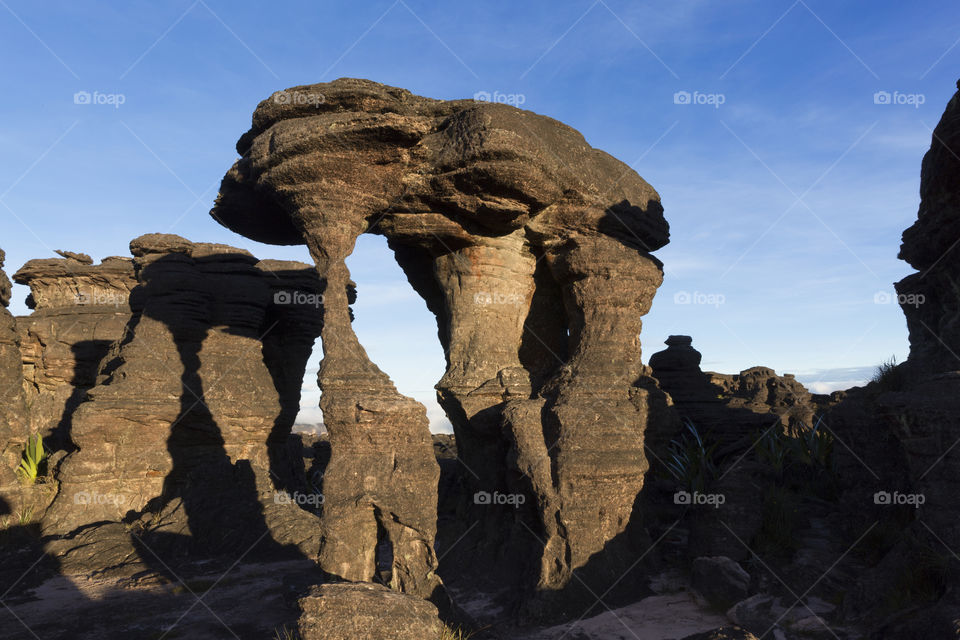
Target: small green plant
x=814, y=446
x=33, y=460
x=286, y=634
x=774, y=448
x=888, y=376
x=690, y=461
x=24, y=516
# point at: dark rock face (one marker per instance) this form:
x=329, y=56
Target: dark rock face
x=187, y=430
x=80, y=309
x=532, y=249
x=930, y=298
x=347, y=611
x=13, y=425
x=901, y=430
x=720, y=580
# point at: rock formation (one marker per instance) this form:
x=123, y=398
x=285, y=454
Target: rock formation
x=186, y=431
x=348, y=611
x=731, y=408
x=900, y=433
x=13, y=423
x=80, y=309
x=533, y=251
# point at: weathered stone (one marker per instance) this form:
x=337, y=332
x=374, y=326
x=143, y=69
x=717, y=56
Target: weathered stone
x=14, y=428
x=80, y=310
x=720, y=580
x=730, y=632
x=930, y=299
x=733, y=409
x=904, y=427
x=358, y=611
x=532, y=249
x=188, y=427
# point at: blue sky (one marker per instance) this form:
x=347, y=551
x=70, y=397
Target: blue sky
x=785, y=182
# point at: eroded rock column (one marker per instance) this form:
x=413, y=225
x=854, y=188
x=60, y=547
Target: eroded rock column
x=380, y=485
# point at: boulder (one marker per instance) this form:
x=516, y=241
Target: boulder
x=533, y=251
x=720, y=580
x=362, y=611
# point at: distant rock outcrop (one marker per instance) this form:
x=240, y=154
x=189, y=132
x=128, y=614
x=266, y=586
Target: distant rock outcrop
x=186, y=432
x=533, y=251
x=733, y=409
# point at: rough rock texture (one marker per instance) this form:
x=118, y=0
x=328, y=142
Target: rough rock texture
x=13, y=425
x=80, y=309
x=532, y=249
x=357, y=611
x=720, y=580
x=901, y=431
x=723, y=633
x=187, y=428
x=732, y=408
x=925, y=414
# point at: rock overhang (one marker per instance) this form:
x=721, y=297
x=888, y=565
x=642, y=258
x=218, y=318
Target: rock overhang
x=384, y=153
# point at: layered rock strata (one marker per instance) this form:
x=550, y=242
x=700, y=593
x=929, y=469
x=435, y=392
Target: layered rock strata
x=186, y=431
x=80, y=309
x=14, y=428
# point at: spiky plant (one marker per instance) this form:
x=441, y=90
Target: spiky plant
x=690, y=461
x=33, y=459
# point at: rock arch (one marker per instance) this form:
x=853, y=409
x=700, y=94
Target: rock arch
x=532, y=249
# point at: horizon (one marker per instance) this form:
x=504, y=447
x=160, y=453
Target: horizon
x=785, y=142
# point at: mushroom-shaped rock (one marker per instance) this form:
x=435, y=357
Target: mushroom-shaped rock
x=533, y=250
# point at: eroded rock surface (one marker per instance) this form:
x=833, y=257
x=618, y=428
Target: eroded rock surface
x=901, y=431
x=732, y=408
x=13, y=422
x=80, y=309
x=349, y=611
x=186, y=432
x=533, y=251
